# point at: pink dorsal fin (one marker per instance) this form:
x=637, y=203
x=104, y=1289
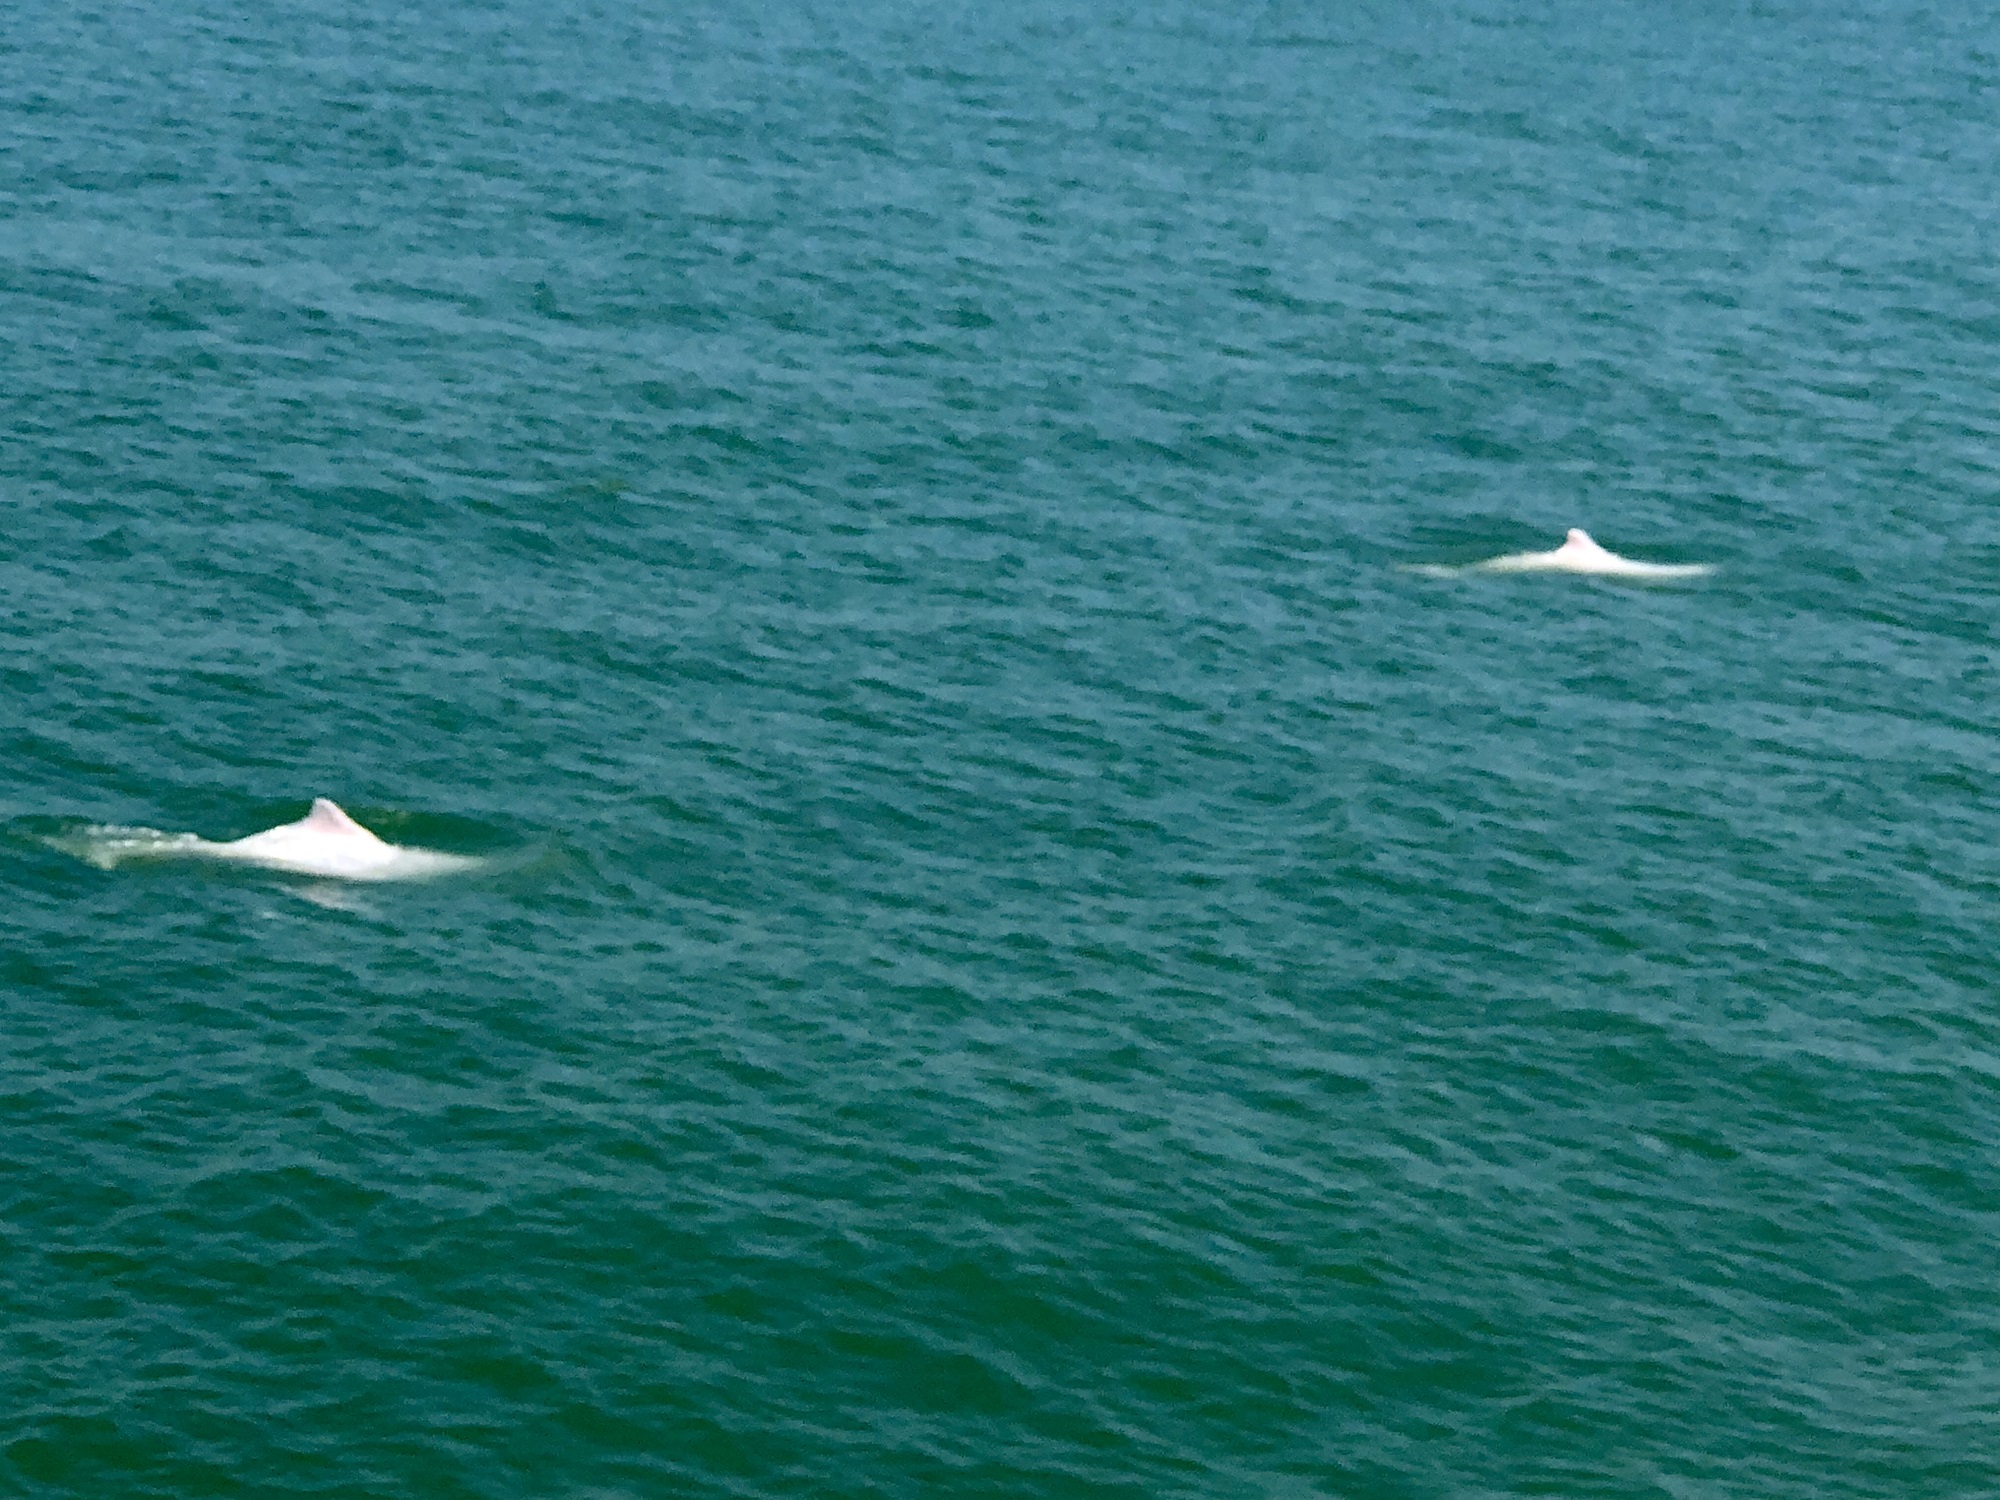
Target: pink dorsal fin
x=1578, y=537
x=326, y=817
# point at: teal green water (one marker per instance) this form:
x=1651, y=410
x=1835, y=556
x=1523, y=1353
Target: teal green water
x=1024, y=951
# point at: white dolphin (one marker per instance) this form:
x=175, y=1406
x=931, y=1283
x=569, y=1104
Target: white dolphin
x=1579, y=554
x=326, y=841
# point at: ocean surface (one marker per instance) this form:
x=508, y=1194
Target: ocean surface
x=1023, y=945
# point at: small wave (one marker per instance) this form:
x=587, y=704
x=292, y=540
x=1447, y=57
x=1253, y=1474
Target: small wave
x=107, y=847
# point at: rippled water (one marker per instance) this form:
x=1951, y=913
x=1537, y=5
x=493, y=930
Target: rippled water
x=1023, y=950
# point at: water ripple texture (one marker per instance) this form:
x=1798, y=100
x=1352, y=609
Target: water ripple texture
x=1035, y=930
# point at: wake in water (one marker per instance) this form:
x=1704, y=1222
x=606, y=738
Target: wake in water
x=1577, y=554
x=325, y=842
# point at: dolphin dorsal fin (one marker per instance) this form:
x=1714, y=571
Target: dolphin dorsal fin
x=326, y=817
x=1578, y=537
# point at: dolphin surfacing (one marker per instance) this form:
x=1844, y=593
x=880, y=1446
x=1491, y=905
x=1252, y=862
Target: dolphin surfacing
x=325, y=842
x=1579, y=554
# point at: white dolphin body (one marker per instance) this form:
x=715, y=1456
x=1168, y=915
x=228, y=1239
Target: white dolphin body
x=1579, y=554
x=326, y=842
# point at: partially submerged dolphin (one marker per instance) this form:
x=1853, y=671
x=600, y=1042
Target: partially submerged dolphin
x=326, y=841
x=1579, y=554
